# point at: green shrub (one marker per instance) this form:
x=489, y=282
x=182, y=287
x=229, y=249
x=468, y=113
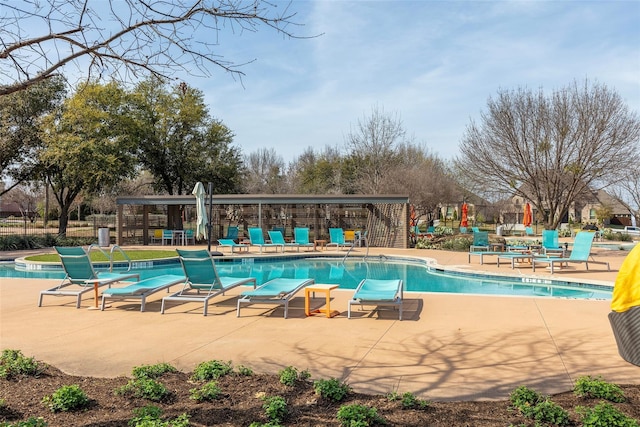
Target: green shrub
x=145, y=388
x=244, y=370
x=30, y=422
x=604, y=415
x=211, y=370
x=548, y=412
x=149, y=416
x=276, y=408
x=358, y=416
x=269, y=424
x=152, y=371
x=290, y=375
x=332, y=389
x=209, y=391
x=66, y=398
x=13, y=363
x=410, y=401
x=525, y=399
x=590, y=387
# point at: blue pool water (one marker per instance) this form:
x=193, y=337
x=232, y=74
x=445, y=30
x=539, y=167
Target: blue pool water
x=416, y=275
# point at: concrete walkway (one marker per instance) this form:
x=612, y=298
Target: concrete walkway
x=448, y=347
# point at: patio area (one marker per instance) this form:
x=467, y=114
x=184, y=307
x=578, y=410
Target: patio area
x=448, y=347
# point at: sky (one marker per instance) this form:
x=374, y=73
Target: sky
x=433, y=65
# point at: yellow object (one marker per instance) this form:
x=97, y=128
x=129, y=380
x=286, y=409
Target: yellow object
x=312, y=289
x=349, y=235
x=626, y=291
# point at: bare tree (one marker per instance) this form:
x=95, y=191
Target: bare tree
x=372, y=146
x=550, y=150
x=124, y=38
x=265, y=172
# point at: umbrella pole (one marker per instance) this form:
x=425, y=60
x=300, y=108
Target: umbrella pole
x=210, y=217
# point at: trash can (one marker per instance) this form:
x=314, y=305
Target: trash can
x=103, y=237
x=499, y=230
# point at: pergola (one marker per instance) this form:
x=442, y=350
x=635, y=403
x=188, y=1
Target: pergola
x=384, y=217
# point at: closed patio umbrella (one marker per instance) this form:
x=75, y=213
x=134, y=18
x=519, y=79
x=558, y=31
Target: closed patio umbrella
x=201, y=210
x=527, y=218
x=464, y=222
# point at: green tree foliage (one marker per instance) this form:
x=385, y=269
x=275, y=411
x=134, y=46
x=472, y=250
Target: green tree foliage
x=20, y=117
x=550, y=149
x=86, y=145
x=179, y=143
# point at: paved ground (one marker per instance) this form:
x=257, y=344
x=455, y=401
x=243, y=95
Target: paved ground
x=448, y=347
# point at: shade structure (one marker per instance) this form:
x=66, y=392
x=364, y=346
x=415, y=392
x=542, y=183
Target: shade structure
x=527, y=217
x=201, y=210
x=464, y=221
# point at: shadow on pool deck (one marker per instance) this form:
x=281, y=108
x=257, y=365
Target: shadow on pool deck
x=448, y=347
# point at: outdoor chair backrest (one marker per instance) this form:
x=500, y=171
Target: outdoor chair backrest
x=336, y=235
x=475, y=229
x=76, y=263
x=199, y=268
x=582, y=246
x=276, y=237
x=550, y=239
x=232, y=232
x=256, y=236
x=481, y=238
x=301, y=235
x=463, y=230
x=167, y=234
x=528, y=231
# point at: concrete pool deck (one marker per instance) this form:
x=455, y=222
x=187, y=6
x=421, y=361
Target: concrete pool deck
x=448, y=347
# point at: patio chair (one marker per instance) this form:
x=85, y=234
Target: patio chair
x=528, y=231
x=233, y=245
x=551, y=244
x=336, y=237
x=480, y=241
x=80, y=276
x=232, y=233
x=157, y=236
x=379, y=293
x=278, y=239
x=277, y=291
x=625, y=308
x=202, y=280
x=257, y=239
x=580, y=253
x=301, y=237
x=142, y=289
x=167, y=236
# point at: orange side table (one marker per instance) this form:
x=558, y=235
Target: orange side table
x=319, y=288
x=319, y=242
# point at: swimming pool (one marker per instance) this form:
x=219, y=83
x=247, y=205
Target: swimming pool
x=417, y=275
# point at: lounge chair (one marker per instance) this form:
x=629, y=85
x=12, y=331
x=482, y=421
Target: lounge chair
x=625, y=308
x=301, y=237
x=475, y=229
x=142, y=289
x=551, y=244
x=278, y=239
x=480, y=241
x=203, y=282
x=580, y=253
x=167, y=236
x=232, y=233
x=528, y=231
x=257, y=239
x=378, y=292
x=80, y=276
x=483, y=254
x=513, y=257
x=233, y=245
x=276, y=291
x=336, y=237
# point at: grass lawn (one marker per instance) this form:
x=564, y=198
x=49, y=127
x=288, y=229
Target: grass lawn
x=97, y=256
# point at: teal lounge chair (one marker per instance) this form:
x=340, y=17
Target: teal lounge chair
x=480, y=241
x=475, y=229
x=257, y=239
x=233, y=245
x=551, y=244
x=276, y=291
x=514, y=257
x=232, y=233
x=142, y=289
x=379, y=293
x=80, y=275
x=278, y=239
x=580, y=253
x=336, y=237
x=202, y=280
x=301, y=237
x=528, y=231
